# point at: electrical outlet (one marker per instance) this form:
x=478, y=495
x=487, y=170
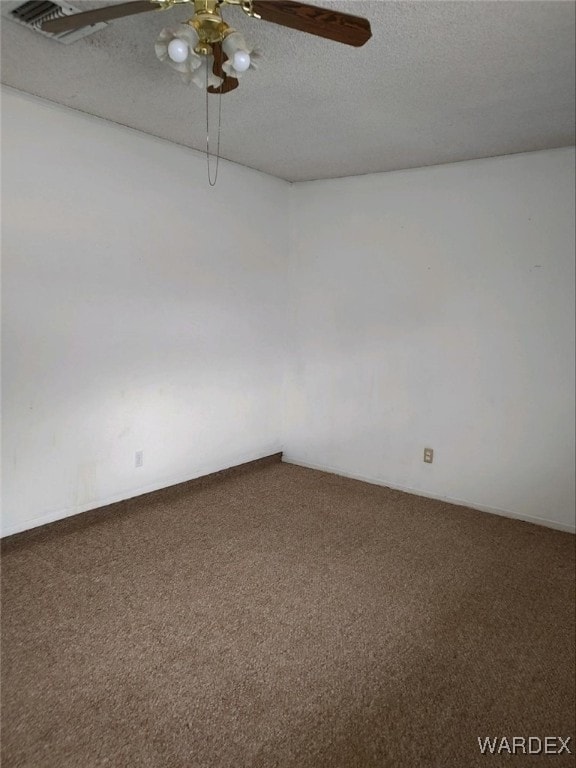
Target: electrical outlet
x=428, y=455
x=139, y=458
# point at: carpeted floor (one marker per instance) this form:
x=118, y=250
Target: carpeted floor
x=285, y=618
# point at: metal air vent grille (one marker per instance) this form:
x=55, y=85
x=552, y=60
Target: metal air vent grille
x=34, y=12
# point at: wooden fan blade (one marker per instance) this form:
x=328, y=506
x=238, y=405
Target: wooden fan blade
x=229, y=83
x=341, y=27
x=87, y=18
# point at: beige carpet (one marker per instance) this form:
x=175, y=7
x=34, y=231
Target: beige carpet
x=285, y=617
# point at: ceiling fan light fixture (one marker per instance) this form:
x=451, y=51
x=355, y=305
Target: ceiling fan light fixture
x=175, y=46
x=238, y=54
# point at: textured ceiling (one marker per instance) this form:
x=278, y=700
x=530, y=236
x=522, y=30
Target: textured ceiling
x=439, y=82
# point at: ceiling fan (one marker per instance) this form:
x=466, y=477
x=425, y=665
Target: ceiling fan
x=208, y=52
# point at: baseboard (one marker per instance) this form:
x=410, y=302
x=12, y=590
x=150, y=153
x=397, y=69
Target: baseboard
x=449, y=500
x=73, y=519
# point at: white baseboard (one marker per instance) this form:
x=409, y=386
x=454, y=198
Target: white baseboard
x=61, y=514
x=417, y=492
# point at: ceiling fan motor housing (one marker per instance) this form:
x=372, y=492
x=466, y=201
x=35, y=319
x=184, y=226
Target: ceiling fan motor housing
x=208, y=24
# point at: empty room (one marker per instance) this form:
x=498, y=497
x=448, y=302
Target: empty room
x=288, y=384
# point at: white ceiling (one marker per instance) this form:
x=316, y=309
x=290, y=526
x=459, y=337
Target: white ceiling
x=439, y=82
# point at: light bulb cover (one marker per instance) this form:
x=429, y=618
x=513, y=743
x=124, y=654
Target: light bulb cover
x=178, y=50
x=186, y=35
x=204, y=75
x=238, y=54
x=241, y=61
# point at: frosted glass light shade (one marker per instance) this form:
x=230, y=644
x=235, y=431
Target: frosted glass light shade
x=204, y=76
x=238, y=53
x=185, y=38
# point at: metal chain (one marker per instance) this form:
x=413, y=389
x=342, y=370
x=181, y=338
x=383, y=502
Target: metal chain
x=210, y=181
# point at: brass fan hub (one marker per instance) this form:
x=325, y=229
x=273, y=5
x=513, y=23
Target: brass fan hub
x=208, y=24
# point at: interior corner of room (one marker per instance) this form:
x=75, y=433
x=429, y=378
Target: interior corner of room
x=349, y=322
x=288, y=383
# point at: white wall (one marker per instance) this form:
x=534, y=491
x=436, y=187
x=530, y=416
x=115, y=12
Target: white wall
x=143, y=310
x=435, y=307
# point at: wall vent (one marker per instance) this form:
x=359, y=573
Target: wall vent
x=33, y=13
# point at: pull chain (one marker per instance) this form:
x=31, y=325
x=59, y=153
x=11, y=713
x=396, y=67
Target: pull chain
x=211, y=181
